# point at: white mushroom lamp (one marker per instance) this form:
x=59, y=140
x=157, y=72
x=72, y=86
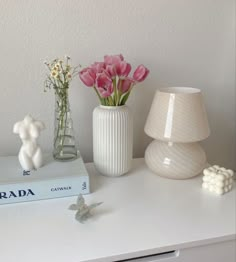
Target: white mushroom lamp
x=177, y=121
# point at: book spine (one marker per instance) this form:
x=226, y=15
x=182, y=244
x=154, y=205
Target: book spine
x=22, y=192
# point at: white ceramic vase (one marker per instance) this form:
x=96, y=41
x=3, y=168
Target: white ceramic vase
x=112, y=139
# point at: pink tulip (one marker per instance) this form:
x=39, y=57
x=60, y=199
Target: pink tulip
x=87, y=76
x=113, y=59
x=98, y=67
x=124, y=85
x=104, y=84
x=123, y=68
x=140, y=73
x=111, y=70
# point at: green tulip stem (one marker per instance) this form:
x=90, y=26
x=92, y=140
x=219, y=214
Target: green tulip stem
x=100, y=98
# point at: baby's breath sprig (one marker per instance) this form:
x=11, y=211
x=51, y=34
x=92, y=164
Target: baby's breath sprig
x=60, y=74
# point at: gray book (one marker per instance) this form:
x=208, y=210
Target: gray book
x=53, y=180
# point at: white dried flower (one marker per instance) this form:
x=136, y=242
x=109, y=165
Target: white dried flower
x=69, y=76
x=54, y=73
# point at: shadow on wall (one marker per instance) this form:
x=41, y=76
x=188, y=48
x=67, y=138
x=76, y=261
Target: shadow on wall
x=140, y=102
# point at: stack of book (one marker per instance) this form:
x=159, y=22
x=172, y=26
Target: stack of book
x=53, y=180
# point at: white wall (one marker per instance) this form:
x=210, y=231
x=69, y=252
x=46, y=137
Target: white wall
x=182, y=42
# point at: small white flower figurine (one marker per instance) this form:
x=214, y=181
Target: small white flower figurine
x=218, y=179
x=83, y=210
x=30, y=155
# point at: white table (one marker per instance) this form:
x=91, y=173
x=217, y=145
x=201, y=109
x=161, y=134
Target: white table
x=142, y=214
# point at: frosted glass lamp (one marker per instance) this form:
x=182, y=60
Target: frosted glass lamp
x=177, y=121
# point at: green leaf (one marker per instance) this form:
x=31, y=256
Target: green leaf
x=124, y=98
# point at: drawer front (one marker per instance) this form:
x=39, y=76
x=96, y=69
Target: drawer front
x=219, y=252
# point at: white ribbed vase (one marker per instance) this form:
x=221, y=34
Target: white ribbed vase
x=112, y=139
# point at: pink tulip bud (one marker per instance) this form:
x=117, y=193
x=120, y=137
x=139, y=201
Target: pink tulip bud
x=104, y=84
x=98, y=67
x=113, y=59
x=124, y=85
x=87, y=76
x=140, y=73
x=123, y=69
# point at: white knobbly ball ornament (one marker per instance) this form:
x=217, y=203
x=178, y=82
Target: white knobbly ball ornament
x=218, y=180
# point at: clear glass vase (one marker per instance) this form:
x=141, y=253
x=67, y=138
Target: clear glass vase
x=64, y=139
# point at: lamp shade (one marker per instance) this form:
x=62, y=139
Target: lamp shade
x=177, y=114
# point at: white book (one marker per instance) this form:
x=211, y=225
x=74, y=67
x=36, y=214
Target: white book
x=55, y=179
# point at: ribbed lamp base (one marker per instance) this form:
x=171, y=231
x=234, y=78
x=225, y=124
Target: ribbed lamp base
x=175, y=160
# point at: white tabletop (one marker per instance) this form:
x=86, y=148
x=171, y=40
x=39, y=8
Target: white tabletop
x=142, y=213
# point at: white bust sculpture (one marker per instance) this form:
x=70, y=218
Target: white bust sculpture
x=30, y=155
